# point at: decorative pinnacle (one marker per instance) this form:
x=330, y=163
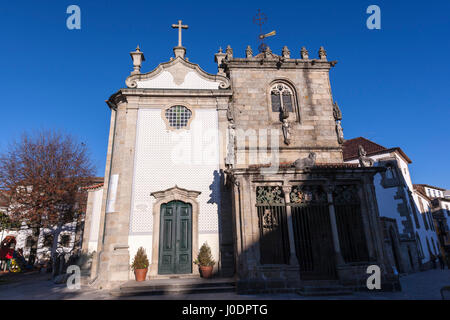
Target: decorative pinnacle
x=322, y=54
x=285, y=52
x=248, y=52
x=229, y=52
x=304, y=53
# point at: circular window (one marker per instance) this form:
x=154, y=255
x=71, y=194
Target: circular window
x=178, y=116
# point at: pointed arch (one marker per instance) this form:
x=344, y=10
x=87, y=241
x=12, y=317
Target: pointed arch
x=282, y=95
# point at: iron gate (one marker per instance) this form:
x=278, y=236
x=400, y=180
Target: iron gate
x=349, y=223
x=312, y=233
x=272, y=223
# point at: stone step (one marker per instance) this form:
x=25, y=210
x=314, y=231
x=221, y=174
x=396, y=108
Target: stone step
x=173, y=286
x=172, y=291
x=324, y=291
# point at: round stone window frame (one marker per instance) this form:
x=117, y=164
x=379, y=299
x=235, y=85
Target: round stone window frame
x=176, y=104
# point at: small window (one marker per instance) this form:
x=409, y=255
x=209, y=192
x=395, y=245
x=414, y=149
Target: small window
x=178, y=116
x=30, y=242
x=65, y=240
x=390, y=172
x=48, y=240
x=282, y=98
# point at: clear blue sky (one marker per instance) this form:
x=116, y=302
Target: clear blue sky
x=392, y=84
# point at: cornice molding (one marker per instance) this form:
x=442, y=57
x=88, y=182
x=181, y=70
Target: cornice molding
x=278, y=62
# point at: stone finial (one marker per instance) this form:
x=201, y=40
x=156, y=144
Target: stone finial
x=285, y=52
x=229, y=52
x=248, y=52
x=137, y=57
x=304, y=53
x=179, y=52
x=218, y=57
x=322, y=54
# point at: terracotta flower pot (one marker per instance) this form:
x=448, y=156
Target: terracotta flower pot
x=206, y=271
x=140, y=274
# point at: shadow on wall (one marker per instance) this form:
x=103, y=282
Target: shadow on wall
x=393, y=177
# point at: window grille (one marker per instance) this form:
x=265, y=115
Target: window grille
x=178, y=116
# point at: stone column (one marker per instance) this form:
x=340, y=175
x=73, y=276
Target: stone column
x=115, y=257
x=334, y=229
x=293, y=261
x=88, y=221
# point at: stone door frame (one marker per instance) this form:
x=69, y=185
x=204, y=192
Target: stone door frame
x=166, y=196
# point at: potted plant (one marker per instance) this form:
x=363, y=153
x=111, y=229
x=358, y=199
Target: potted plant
x=205, y=261
x=140, y=265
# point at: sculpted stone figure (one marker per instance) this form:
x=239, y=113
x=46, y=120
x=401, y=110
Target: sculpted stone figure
x=229, y=160
x=340, y=132
x=230, y=115
x=308, y=162
x=364, y=161
x=337, y=112
x=286, y=131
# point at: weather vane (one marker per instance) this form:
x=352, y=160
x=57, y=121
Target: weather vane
x=260, y=19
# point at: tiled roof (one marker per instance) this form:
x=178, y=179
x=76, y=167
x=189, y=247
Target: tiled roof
x=350, y=149
x=428, y=186
x=94, y=186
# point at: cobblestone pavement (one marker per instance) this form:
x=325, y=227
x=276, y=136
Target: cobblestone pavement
x=422, y=286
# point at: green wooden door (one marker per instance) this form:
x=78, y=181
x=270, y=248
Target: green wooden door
x=175, y=239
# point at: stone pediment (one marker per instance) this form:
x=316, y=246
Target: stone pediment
x=268, y=55
x=176, y=193
x=178, y=74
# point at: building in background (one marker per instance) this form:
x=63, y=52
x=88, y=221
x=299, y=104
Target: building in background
x=440, y=206
x=64, y=239
x=92, y=218
x=409, y=231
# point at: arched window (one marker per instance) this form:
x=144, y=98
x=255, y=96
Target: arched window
x=390, y=171
x=282, y=97
x=178, y=116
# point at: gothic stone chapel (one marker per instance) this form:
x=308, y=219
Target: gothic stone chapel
x=248, y=160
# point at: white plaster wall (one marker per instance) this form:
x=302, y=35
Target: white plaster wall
x=165, y=158
x=423, y=233
x=387, y=204
x=403, y=165
x=24, y=232
x=434, y=193
x=95, y=220
x=191, y=80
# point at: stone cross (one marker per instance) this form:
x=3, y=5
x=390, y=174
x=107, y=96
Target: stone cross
x=179, y=26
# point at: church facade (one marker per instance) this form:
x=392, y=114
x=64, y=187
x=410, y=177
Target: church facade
x=248, y=160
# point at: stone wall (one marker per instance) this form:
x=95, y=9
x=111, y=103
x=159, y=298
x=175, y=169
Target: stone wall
x=312, y=124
